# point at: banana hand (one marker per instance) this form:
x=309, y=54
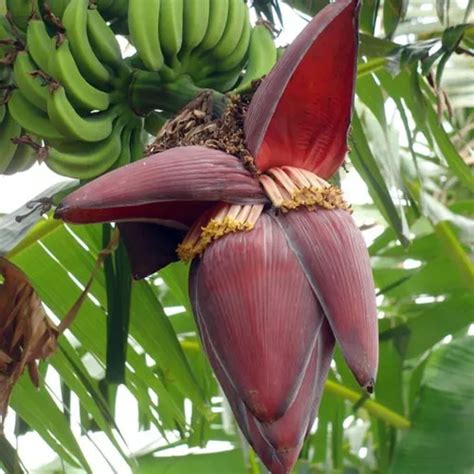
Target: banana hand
x=75, y=23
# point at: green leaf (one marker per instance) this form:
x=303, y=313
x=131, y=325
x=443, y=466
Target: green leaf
x=368, y=16
x=393, y=12
x=457, y=165
x=19, y=224
x=119, y=286
x=428, y=324
x=440, y=439
x=215, y=463
x=9, y=457
x=450, y=41
x=40, y=411
x=365, y=164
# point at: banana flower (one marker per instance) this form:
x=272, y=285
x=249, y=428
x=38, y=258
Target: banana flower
x=280, y=271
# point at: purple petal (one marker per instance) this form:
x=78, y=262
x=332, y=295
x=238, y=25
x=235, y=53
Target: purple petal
x=300, y=114
x=150, y=247
x=332, y=251
x=258, y=309
x=172, y=188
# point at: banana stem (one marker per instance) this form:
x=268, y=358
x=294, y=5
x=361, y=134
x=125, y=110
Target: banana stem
x=148, y=92
x=376, y=409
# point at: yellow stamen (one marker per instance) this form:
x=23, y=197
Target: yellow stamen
x=290, y=188
x=227, y=220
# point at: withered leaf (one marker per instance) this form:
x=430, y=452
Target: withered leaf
x=26, y=332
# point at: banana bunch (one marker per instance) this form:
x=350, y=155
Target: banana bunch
x=210, y=40
x=68, y=86
x=68, y=93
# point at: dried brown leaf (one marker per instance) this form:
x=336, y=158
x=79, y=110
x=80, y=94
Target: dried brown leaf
x=26, y=332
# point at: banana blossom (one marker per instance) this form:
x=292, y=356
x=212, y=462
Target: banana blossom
x=279, y=269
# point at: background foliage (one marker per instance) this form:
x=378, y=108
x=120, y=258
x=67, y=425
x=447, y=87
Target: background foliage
x=411, y=143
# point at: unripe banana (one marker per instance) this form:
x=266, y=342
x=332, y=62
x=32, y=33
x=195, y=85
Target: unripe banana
x=94, y=128
x=9, y=128
x=153, y=123
x=124, y=157
x=32, y=119
x=86, y=160
x=218, y=10
x=24, y=158
x=21, y=11
x=6, y=33
x=103, y=40
x=40, y=45
x=103, y=5
x=195, y=21
x=239, y=54
x=75, y=22
x=233, y=29
x=33, y=88
x=222, y=82
x=171, y=28
x=117, y=9
x=56, y=7
x=262, y=57
x=3, y=111
x=280, y=52
x=207, y=63
x=64, y=69
x=137, y=143
x=143, y=22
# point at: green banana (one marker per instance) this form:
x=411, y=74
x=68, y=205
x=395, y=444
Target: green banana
x=233, y=29
x=3, y=111
x=195, y=21
x=124, y=157
x=239, y=54
x=64, y=69
x=24, y=158
x=171, y=27
x=137, y=143
x=40, y=45
x=222, y=82
x=153, y=123
x=103, y=5
x=143, y=22
x=86, y=160
x=103, y=40
x=281, y=51
x=33, y=88
x=9, y=128
x=21, y=11
x=32, y=119
x=6, y=33
x=262, y=57
x=5, y=76
x=93, y=128
x=75, y=23
x=207, y=64
x=117, y=9
x=57, y=7
x=217, y=20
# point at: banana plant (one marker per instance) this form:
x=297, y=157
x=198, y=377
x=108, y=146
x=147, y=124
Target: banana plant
x=410, y=142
